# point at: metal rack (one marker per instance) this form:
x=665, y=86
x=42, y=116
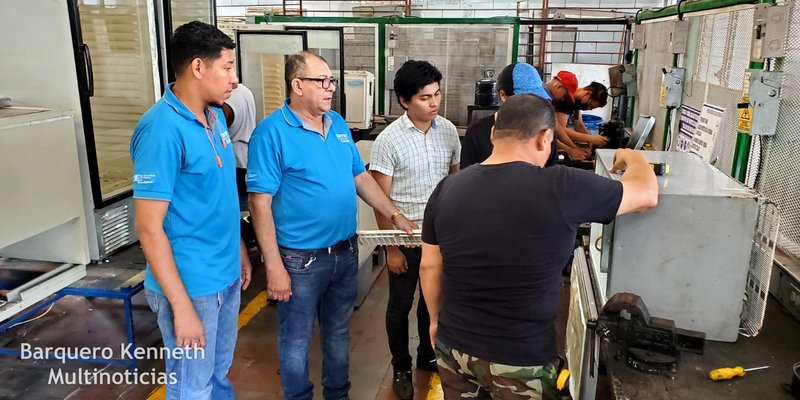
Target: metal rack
x=390, y=237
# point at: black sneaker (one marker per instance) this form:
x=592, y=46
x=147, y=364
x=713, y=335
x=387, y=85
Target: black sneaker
x=427, y=365
x=402, y=385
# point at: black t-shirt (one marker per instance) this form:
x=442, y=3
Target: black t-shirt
x=565, y=106
x=505, y=233
x=477, y=144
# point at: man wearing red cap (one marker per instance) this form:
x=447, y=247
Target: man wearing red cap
x=569, y=100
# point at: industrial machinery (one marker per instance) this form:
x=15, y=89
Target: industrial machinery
x=692, y=259
x=107, y=70
x=648, y=344
x=37, y=226
x=672, y=255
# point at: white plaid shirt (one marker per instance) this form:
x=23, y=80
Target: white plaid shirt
x=415, y=160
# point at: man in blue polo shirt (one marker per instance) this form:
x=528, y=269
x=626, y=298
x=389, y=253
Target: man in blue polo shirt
x=187, y=214
x=303, y=175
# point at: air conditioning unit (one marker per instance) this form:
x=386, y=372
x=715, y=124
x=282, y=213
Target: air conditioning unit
x=359, y=91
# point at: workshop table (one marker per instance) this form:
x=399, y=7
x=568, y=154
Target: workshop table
x=778, y=345
x=101, y=281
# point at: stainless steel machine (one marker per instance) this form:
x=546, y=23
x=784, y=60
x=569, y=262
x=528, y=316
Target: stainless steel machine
x=692, y=259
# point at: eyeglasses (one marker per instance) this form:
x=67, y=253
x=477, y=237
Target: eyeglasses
x=325, y=82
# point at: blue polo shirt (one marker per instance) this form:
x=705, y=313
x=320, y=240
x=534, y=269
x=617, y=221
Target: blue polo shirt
x=174, y=161
x=310, y=177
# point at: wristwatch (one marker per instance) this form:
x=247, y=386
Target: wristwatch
x=395, y=215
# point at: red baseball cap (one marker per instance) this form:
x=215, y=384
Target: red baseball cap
x=570, y=82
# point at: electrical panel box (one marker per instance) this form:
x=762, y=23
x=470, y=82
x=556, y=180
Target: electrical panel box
x=764, y=97
x=393, y=63
x=638, y=36
x=629, y=80
x=678, y=37
x=689, y=257
x=770, y=23
x=673, y=86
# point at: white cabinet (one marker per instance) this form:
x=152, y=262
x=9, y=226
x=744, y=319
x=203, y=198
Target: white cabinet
x=359, y=92
x=42, y=210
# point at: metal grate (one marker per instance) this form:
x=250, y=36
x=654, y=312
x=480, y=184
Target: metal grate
x=461, y=53
x=389, y=237
x=116, y=228
x=717, y=57
x=761, y=255
x=780, y=172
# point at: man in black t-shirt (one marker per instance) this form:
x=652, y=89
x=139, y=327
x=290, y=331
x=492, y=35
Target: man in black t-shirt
x=495, y=239
x=516, y=78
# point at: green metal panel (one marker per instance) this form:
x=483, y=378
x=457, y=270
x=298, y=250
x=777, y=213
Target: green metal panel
x=694, y=6
x=380, y=72
x=515, y=42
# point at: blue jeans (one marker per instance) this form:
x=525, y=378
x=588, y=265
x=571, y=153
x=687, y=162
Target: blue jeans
x=204, y=376
x=324, y=286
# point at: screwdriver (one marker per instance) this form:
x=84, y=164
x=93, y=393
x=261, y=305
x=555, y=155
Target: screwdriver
x=720, y=374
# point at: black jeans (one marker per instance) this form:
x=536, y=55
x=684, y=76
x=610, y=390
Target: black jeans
x=401, y=298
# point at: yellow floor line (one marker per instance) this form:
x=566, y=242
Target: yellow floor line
x=435, y=392
x=253, y=307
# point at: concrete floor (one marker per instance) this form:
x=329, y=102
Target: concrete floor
x=82, y=322
x=78, y=321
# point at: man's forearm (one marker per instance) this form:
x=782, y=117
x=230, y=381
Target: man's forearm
x=264, y=225
x=430, y=278
x=578, y=136
x=158, y=253
x=368, y=189
x=579, y=126
x=638, y=169
x=563, y=137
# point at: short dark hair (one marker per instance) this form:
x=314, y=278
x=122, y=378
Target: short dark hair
x=599, y=93
x=296, y=65
x=412, y=77
x=197, y=40
x=505, y=81
x=524, y=116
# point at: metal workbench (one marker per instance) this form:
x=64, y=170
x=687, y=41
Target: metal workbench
x=122, y=282
x=776, y=346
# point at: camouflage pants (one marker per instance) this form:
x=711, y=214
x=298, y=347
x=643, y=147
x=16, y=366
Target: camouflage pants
x=467, y=377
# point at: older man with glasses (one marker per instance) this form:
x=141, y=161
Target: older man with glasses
x=303, y=175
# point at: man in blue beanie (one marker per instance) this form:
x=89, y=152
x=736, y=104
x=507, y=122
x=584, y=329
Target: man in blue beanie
x=516, y=78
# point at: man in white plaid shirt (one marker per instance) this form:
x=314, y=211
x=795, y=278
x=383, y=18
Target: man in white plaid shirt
x=409, y=158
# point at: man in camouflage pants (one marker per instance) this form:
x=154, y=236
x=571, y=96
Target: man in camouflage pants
x=507, y=382
x=496, y=237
